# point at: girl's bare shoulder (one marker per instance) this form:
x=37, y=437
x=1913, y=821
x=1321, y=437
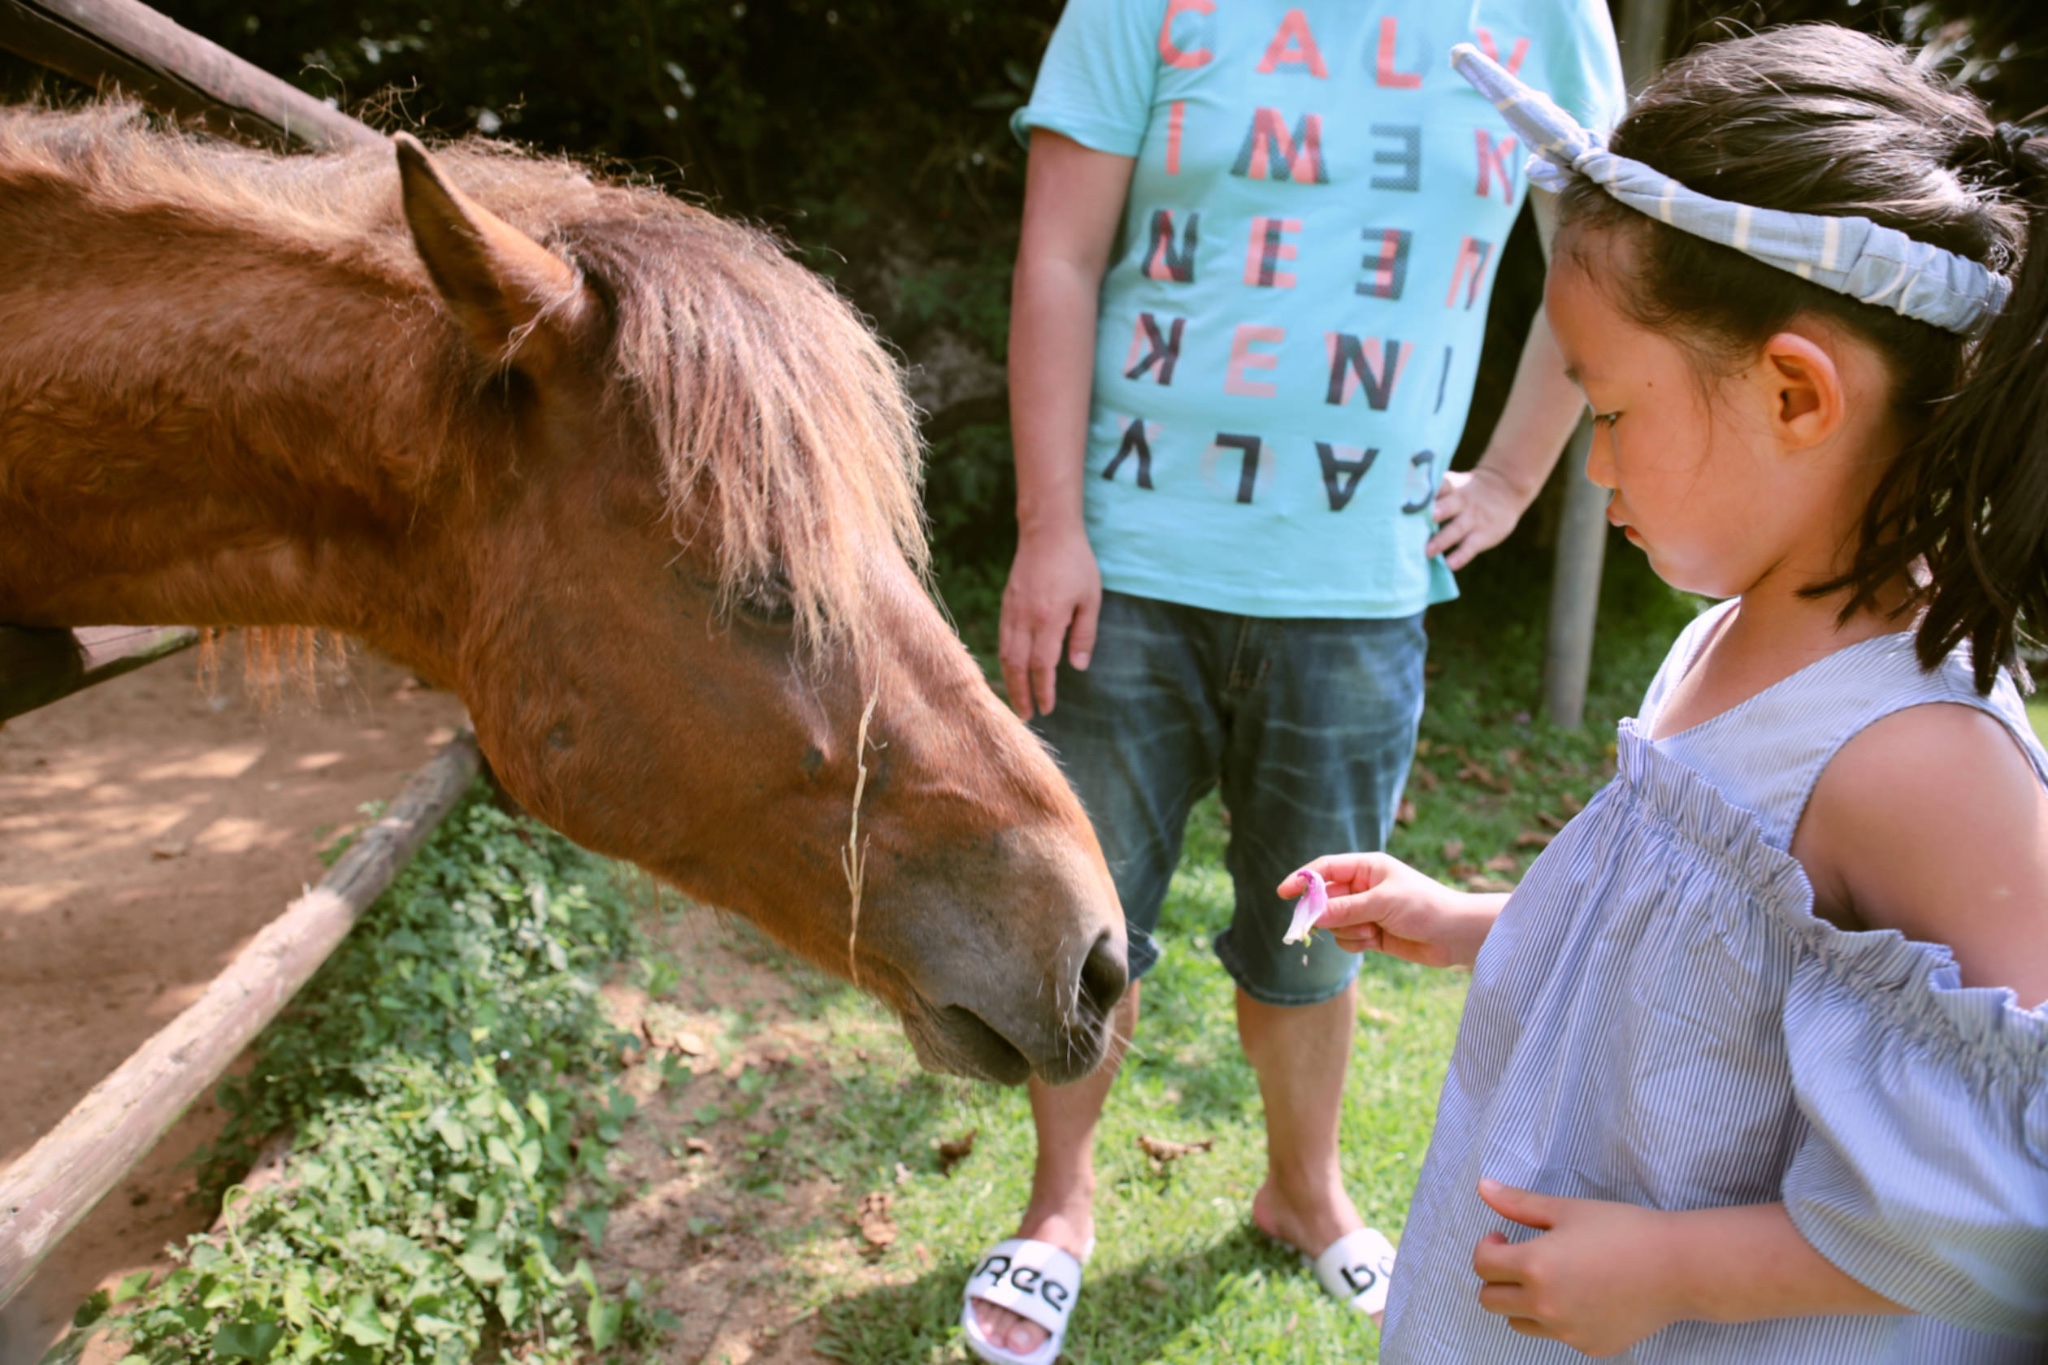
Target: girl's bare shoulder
x=1932, y=821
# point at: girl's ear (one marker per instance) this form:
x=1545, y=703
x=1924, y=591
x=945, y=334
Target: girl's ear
x=1802, y=391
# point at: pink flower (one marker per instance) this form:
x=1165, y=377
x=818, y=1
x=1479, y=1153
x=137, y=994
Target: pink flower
x=1310, y=907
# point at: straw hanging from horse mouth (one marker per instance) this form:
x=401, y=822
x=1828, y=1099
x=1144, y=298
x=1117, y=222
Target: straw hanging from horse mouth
x=854, y=856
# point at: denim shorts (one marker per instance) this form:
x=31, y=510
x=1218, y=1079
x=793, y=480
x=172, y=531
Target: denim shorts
x=1307, y=725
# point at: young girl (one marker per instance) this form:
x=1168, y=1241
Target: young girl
x=1754, y=1066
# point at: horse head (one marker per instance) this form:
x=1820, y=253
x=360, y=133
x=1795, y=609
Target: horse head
x=633, y=483
x=698, y=636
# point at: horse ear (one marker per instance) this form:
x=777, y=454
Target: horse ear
x=519, y=302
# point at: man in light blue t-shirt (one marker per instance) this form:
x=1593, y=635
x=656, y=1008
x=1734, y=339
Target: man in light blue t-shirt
x=1259, y=241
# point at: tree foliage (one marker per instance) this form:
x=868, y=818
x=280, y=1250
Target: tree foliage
x=873, y=135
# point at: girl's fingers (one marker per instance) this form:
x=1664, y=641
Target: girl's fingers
x=1336, y=869
x=1363, y=940
x=1507, y=1300
x=1527, y=1207
x=1360, y=908
x=1496, y=1260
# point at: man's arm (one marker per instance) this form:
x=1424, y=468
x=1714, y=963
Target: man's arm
x=1073, y=199
x=1475, y=511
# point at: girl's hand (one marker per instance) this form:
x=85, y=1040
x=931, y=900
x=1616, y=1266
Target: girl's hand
x=1601, y=1277
x=1379, y=904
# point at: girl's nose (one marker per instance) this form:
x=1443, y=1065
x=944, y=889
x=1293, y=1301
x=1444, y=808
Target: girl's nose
x=1600, y=458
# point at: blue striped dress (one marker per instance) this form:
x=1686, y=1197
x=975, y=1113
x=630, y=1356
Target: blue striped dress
x=1658, y=1018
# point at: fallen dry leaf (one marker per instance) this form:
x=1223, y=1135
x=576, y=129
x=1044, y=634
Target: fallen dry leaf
x=1377, y=1015
x=1460, y=871
x=1530, y=838
x=1511, y=758
x=952, y=1153
x=877, y=1228
x=696, y=1146
x=1471, y=770
x=1572, y=805
x=1504, y=862
x=1424, y=778
x=1454, y=849
x=1549, y=821
x=1164, y=1153
x=1422, y=748
x=688, y=1043
x=1152, y=1284
x=170, y=848
x=1404, y=814
x=1487, y=884
x=903, y=1176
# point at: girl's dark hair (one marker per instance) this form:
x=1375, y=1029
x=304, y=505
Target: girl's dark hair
x=1824, y=120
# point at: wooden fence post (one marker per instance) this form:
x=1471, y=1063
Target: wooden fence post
x=1575, y=589
x=1582, y=532
x=49, y=1191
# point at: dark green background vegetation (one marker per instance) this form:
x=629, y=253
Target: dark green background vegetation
x=872, y=134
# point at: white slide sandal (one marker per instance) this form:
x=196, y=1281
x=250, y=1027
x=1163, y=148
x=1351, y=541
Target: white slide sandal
x=1356, y=1268
x=1035, y=1280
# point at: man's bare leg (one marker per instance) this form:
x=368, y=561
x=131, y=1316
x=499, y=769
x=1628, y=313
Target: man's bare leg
x=1300, y=1053
x=1062, y=1208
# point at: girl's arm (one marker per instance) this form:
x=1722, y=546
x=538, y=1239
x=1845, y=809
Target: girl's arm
x=1602, y=1276
x=1073, y=200
x=1379, y=904
x=1932, y=822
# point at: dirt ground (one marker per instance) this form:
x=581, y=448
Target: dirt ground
x=148, y=828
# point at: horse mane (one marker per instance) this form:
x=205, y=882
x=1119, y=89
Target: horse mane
x=783, y=429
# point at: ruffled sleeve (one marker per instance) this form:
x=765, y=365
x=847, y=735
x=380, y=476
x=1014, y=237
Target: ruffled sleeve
x=1924, y=1172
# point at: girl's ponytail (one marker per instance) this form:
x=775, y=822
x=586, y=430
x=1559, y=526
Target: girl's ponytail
x=1979, y=515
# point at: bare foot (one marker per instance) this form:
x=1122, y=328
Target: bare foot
x=1070, y=1230
x=1311, y=1230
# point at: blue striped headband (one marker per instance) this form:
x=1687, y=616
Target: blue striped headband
x=1867, y=261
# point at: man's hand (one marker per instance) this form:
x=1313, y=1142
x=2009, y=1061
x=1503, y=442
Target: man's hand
x=1474, y=512
x=1379, y=904
x=1601, y=1277
x=1052, y=600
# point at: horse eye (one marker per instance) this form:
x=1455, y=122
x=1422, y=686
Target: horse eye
x=767, y=603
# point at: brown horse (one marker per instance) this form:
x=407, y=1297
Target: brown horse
x=634, y=485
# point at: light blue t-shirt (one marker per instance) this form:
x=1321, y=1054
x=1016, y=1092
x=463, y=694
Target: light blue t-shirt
x=1291, y=319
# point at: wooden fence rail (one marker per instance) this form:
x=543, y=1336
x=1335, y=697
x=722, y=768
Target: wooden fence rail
x=127, y=44
x=39, y=666
x=46, y=1193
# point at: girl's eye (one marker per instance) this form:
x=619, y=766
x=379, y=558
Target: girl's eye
x=1610, y=418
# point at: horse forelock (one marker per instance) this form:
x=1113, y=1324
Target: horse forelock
x=788, y=449
x=784, y=430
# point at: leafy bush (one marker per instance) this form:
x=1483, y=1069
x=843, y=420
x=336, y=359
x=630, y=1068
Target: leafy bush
x=443, y=1076
x=873, y=134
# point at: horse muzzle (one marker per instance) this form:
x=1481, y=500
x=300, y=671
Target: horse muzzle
x=1059, y=1034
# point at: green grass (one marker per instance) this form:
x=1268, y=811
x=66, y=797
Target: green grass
x=2037, y=712
x=1179, y=1274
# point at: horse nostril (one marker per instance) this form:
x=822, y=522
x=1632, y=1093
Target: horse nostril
x=1103, y=977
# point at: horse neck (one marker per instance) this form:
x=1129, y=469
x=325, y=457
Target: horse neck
x=207, y=425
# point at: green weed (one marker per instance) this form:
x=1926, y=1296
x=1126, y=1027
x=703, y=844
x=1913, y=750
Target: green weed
x=443, y=1076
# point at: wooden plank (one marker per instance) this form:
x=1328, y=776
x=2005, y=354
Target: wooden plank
x=127, y=44
x=39, y=666
x=45, y=1194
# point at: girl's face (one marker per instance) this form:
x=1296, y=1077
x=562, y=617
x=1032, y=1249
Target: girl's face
x=1696, y=465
